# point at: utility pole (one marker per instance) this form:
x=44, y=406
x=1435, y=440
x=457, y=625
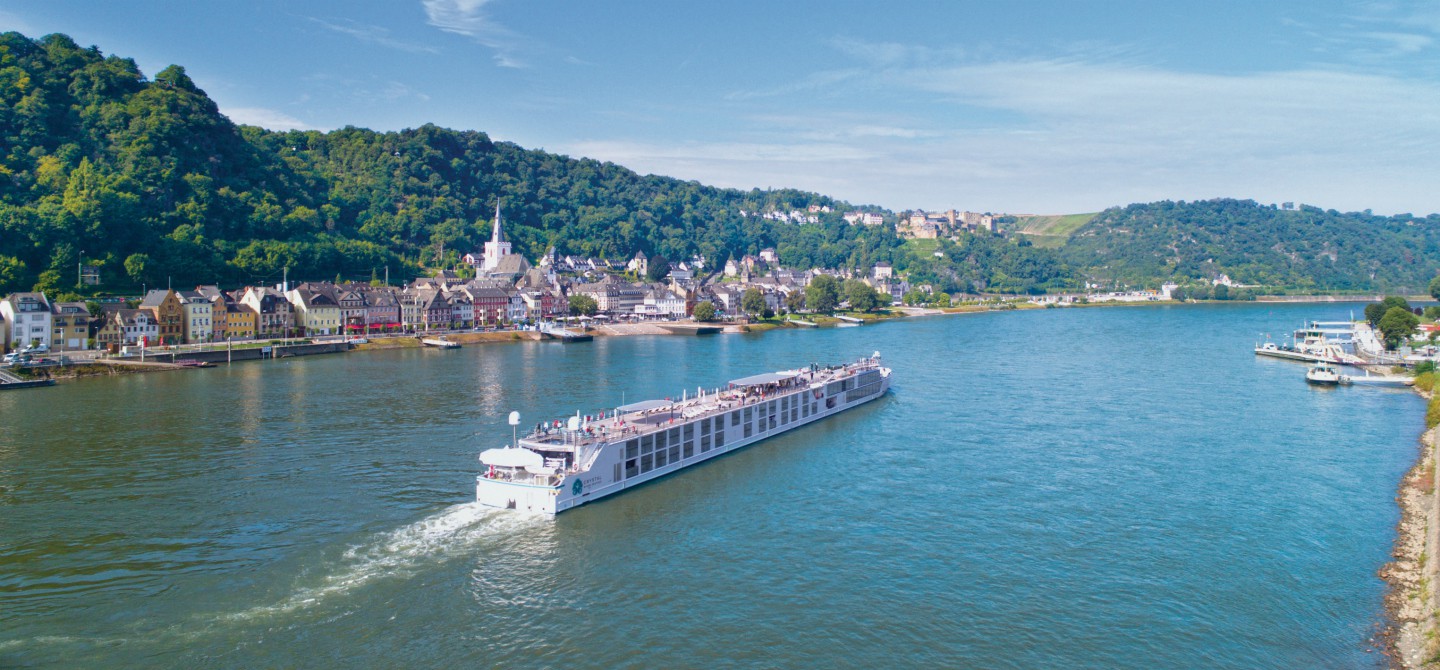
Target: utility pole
x=79, y=263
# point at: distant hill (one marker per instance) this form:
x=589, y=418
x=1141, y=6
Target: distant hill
x=1307, y=249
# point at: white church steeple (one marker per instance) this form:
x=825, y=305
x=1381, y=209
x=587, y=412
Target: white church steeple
x=497, y=247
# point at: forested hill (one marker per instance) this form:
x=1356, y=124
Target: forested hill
x=148, y=178
x=1308, y=248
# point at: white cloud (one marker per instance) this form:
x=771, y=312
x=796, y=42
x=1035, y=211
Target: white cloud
x=265, y=118
x=373, y=35
x=469, y=18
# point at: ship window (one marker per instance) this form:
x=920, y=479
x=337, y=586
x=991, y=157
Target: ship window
x=632, y=448
x=804, y=409
x=748, y=428
x=735, y=418
x=719, y=438
x=794, y=414
x=749, y=414
x=617, y=473
x=704, y=443
x=689, y=430
x=675, y=453
x=660, y=441
x=770, y=408
x=689, y=448
x=674, y=436
x=647, y=444
x=772, y=423
x=705, y=425
x=660, y=458
x=647, y=463
x=631, y=468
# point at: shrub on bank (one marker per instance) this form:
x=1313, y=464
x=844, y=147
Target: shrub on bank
x=1432, y=412
x=1425, y=381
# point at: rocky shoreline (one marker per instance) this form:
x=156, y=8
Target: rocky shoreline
x=1410, y=637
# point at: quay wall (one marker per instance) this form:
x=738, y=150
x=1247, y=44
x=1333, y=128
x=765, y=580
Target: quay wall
x=251, y=354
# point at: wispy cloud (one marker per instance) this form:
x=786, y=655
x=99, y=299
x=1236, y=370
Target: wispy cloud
x=469, y=18
x=1079, y=131
x=265, y=118
x=373, y=35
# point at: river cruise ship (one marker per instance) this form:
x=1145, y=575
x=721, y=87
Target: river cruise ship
x=563, y=464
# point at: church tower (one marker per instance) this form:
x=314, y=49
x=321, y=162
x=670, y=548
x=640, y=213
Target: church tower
x=497, y=247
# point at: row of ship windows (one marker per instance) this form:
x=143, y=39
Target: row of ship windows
x=666, y=447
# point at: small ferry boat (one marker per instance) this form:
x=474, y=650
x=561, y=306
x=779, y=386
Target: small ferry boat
x=563, y=464
x=440, y=343
x=1325, y=374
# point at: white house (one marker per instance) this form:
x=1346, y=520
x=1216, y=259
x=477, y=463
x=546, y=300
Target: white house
x=29, y=318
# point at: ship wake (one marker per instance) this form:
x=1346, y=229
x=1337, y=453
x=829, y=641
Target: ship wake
x=447, y=534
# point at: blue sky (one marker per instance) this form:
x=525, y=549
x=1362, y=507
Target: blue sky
x=1025, y=106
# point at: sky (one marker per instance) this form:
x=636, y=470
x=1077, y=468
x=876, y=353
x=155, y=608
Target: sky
x=1027, y=106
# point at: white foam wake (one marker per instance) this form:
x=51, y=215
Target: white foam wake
x=398, y=553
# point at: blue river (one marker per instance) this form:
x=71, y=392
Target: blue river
x=1074, y=488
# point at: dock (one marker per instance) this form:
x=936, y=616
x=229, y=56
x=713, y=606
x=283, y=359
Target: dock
x=691, y=328
x=9, y=381
x=806, y=324
x=439, y=343
x=850, y=319
x=564, y=334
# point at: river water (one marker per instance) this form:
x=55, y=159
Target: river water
x=1086, y=488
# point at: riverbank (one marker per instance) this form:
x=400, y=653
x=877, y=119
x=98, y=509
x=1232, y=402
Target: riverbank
x=1410, y=604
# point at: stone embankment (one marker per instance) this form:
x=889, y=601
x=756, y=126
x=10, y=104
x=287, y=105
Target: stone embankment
x=1411, y=602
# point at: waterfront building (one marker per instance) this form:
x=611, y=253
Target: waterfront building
x=382, y=309
x=198, y=320
x=489, y=305
x=351, y=299
x=4, y=333
x=70, y=326
x=128, y=327
x=275, y=317
x=316, y=311
x=168, y=312
x=462, y=309
x=240, y=321
x=29, y=317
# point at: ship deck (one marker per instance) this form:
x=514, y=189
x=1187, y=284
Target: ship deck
x=649, y=416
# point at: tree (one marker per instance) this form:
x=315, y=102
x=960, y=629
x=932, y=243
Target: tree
x=704, y=311
x=1397, y=325
x=583, y=304
x=795, y=301
x=138, y=267
x=1377, y=310
x=1435, y=287
x=752, y=302
x=823, y=294
x=860, y=295
x=657, y=268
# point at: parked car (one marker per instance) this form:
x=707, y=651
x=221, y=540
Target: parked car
x=37, y=349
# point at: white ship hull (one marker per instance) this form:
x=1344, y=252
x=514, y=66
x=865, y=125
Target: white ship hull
x=632, y=460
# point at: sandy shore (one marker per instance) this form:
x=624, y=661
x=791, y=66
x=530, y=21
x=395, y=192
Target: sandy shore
x=1410, y=605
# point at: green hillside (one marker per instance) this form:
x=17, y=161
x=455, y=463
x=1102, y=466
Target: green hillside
x=1049, y=231
x=1306, y=249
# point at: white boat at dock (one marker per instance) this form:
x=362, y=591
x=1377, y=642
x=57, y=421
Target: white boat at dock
x=1317, y=342
x=439, y=343
x=1325, y=374
x=566, y=463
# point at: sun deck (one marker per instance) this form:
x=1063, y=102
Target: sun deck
x=647, y=416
